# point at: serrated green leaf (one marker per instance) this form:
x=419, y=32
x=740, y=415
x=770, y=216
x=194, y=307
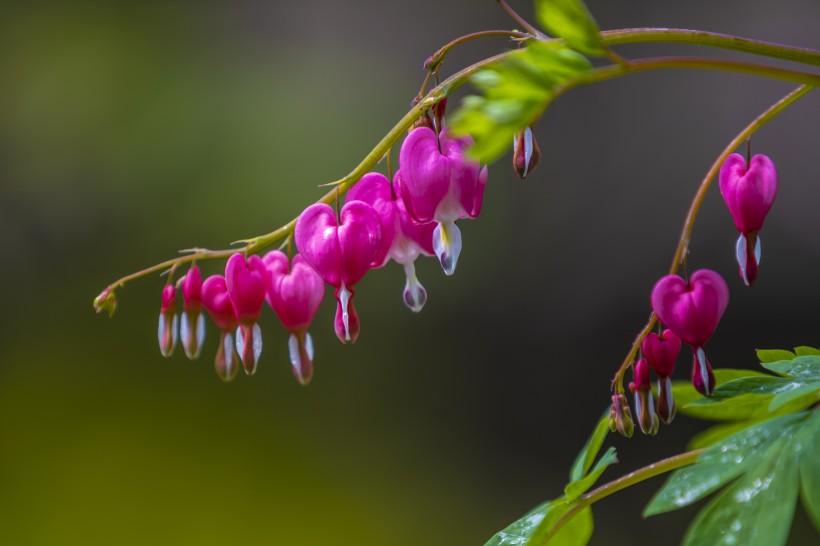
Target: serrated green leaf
x=575, y=489
x=806, y=351
x=799, y=398
x=809, y=445
x=752, y=385
x=576, y=532
x=572, y=21
x=802, y=368
x=739, y=408
x=590, y=450
x=766, y=356
x=722, y=462
x=755, y=511
x=716, y=433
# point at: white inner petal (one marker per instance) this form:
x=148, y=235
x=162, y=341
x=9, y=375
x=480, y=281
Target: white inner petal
x=227, y=347
x=527, y=150
x=344, y=300
x=740, y=255
x=257, y=342
x=415, y=296
x=447, y=245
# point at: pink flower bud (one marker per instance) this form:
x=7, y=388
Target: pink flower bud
x=192, y=326
x=295, y=296
x=661, y=351
x=749, y=192
x=168, y=325
x=692, y=311
x=438, y=183
x=246, y=285
x=644, y=402
x=526, y=153
x=218, y=303
x=106, y=301
x=341, y=252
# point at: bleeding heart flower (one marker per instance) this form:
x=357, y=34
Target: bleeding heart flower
x=295, y=293
x=692, y=311
x=246, y=285
x=644, y=403
x=403, y=240
x=620, y=416
x=661, y=351
x=192, y=328
x=167, y=331
x=438, y=183
x=341, y=252
x=218, y=303
x=749, y=191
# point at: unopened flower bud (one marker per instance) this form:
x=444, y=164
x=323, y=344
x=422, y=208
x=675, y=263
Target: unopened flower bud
x=644, y=402
x=218, y=303
x=168, y=322
x=703, y=378
x=665, y=407
x=245, y=281
x=192, y=326
x=226, y=362
x=526, y=153
x=620, y=416
x=106, y=301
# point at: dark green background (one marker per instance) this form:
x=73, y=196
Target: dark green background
x=131, y=130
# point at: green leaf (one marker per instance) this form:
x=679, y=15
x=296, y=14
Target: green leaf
x=755, y=511
x=576, y=532
x=721, y=463
x=751, y=385
x=716, y=433
x=517, y=90
x=773, y=355
x=521, y=529
x=803, y=368
x=575, y=489
x=797, y=399
x=590, y=450
x=572, y=21
x=809, y=444
x=806, y=351
x=739, y=408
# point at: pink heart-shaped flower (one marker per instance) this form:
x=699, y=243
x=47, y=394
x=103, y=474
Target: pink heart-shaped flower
x=340, y=252
x=661, y=351
x=246, y=285
x=749, y=193
x=375, y=190
x=218, y=303
x=294, y=291
x=691, y=310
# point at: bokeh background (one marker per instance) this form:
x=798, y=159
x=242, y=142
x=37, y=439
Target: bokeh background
x=131, y=130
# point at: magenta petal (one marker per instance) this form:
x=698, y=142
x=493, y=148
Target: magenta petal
x=218, y=303
x=661, y=351
x=375, y=190
x=691, y=310
x=749, y=194
x=192, y=289
x=360, y=238
x=425, y=173
x=294, y=295
x=246, y=285
x=317, y=239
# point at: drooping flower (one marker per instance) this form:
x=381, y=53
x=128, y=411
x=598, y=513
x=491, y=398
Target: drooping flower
x=692, y=311
x=168, y=322
x=192, y=327
x=295, y=293
x=526, y=153
x=644, y=402
x=218, y=303
x=661, y=351
x=403, y=240
x=438, y=183
x=341, y=251
x=245, y=280
x=749, y=191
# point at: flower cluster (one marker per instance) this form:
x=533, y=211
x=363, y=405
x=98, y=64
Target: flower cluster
x=413, y=215
x=691, y=309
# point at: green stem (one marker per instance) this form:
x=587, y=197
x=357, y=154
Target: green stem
x=458, y=79
x=689, y=224
x=435, y=60
x=711, y=39
x=642, y=474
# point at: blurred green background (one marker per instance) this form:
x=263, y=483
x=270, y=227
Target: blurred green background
x=131, y=130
